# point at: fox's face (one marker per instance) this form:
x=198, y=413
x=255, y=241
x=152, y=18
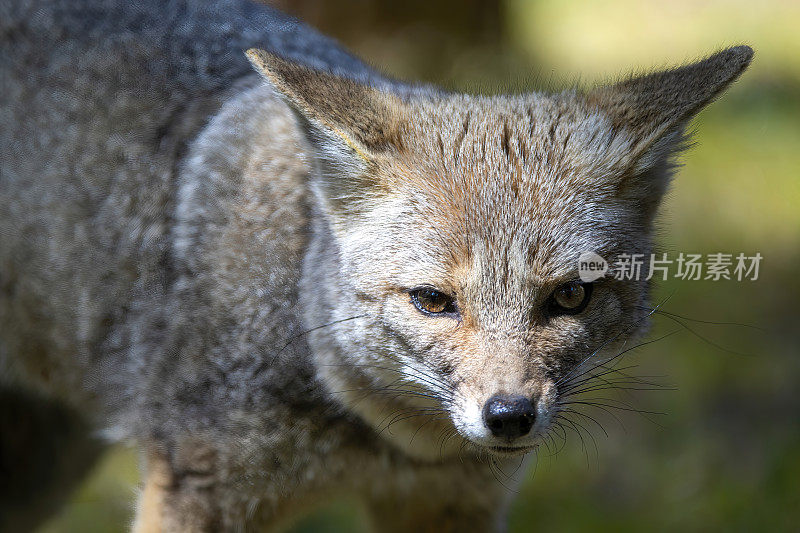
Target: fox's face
x=456, y=224
x=466, y=265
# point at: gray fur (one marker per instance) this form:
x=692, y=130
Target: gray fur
x=191, y=267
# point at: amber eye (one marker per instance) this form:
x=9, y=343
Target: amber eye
x=571, y=298
x=432, y=302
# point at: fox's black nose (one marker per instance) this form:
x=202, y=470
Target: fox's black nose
x=509, y=416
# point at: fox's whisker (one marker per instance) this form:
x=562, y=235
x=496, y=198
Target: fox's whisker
x=614, y=386
x=604, y=406
x=435, y=383
x=700, y=321
x=578, y=428
x=404, y=416
x=431, y=419
x=591, y=418
x=679, y=320
x=408, y=378
x=620, y=354
x=557, y=430
x=431, y=376
x=569, y=385
x=614, y=338
x=397, y=392
x=269, y=361
x=495, y=469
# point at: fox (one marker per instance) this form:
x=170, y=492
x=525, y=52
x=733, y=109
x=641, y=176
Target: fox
x=286, y=276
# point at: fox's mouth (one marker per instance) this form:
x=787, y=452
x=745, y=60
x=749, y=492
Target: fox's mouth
x=511, y=450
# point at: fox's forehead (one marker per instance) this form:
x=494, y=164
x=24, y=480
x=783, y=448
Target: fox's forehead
x=506, y=160
x=510, y=186
x=511, y=251
x=547, y=139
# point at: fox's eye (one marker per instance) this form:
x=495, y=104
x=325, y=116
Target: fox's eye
x=571, y=298
x=432, y=302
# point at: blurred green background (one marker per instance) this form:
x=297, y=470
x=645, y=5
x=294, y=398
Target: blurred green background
x=726, y=452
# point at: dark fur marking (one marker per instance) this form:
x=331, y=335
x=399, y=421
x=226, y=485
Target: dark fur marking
x=461, y=136
x=505, y=139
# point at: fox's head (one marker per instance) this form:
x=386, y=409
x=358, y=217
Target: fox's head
x=448, y=232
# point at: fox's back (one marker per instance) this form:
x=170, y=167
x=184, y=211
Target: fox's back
x=100, y=102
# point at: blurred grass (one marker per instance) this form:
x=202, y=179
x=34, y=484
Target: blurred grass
x=600, y=38
x=106, y=500
x=726, y=454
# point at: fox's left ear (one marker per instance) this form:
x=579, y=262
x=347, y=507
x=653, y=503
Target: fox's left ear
x=348, y=124
x=653, y=110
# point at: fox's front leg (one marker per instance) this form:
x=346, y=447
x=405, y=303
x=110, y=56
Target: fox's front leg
x=175, y=498
x=432, y=504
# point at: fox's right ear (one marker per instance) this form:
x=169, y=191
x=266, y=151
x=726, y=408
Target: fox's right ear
x=347, y=123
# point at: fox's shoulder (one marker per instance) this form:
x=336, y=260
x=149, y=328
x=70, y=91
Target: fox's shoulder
x=245, y=177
